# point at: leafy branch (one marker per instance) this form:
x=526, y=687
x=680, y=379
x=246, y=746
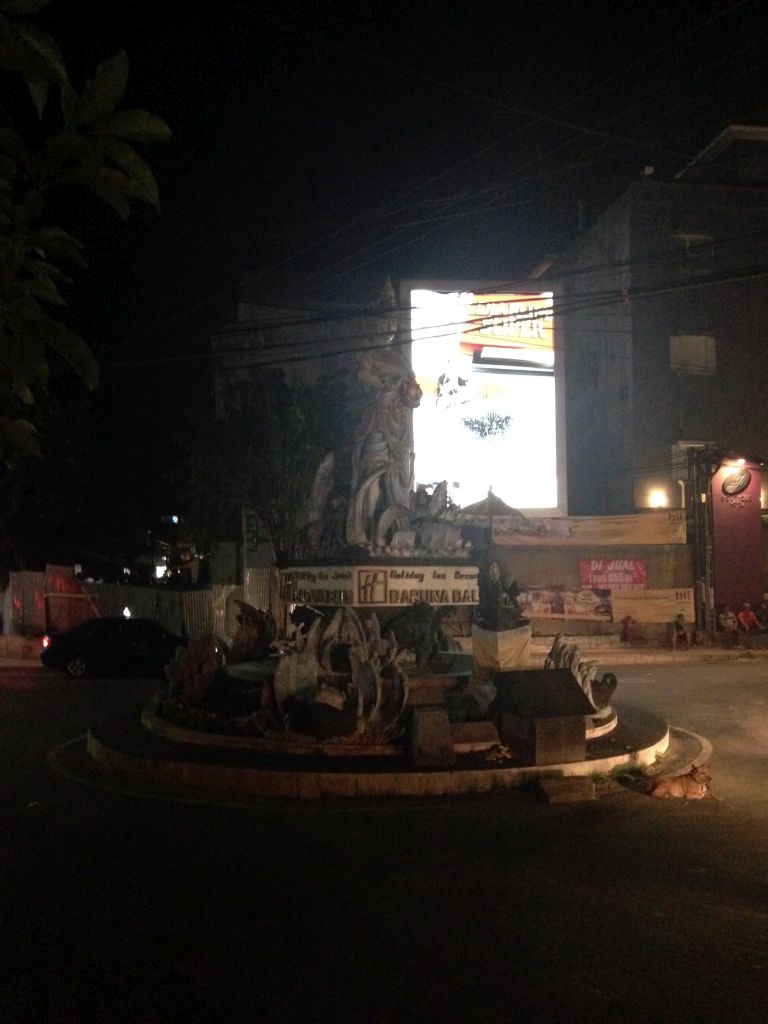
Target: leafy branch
x=53, y=137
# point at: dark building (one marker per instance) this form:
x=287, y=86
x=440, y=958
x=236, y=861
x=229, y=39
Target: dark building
x=664, y=321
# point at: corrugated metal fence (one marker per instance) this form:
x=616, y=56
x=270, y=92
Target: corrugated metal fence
x=37, y=602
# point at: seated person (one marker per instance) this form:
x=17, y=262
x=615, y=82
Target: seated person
x=747, y=619
x=680, y=631
x=729, y=624
x=761, y=614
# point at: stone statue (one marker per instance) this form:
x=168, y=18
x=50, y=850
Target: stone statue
x=418, y=629
x=256, y=629
x=363, y=493
x=567, y=655
x=342, y=681
x=382, y=456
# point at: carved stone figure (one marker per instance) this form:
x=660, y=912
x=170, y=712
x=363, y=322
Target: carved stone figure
x=567, y=655
x=382, y=456
x=417, y=628
x=363, y=493
x=256, y=630
x=342, y=681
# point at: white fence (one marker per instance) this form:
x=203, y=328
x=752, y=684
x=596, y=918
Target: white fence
x=39, y=602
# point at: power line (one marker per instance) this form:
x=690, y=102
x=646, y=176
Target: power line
x=542, y=118
x=589, y=302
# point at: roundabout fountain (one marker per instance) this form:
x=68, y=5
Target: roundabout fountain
x=346, y=713
x=366, y=698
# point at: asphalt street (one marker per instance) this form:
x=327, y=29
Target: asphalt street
x=122, y=906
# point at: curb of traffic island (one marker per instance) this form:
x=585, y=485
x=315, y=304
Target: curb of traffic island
x=209, y=767
x=159, y=726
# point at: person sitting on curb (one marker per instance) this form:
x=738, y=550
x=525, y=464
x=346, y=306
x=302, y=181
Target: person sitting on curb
x=729, y=624
x=748, y=620
x=680, y=632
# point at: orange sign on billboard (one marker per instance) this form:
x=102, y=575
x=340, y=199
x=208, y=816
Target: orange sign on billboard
x=510, y=321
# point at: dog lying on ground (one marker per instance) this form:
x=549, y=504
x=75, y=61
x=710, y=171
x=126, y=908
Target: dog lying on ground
x=692, y=786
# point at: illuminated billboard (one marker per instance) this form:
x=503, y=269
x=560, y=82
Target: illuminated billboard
x=491, y=415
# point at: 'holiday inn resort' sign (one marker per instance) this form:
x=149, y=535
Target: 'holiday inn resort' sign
x=381, y=586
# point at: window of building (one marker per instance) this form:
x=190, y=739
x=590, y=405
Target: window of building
x=693, y=253
x=692, y=354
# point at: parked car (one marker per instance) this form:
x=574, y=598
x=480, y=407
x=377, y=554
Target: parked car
x=111, y=646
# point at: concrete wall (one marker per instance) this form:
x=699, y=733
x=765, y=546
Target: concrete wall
x=668, y=565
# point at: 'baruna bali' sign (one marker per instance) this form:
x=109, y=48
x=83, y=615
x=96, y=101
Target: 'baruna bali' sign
x=381, y=586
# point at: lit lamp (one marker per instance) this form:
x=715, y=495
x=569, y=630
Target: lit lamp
x=657, y=498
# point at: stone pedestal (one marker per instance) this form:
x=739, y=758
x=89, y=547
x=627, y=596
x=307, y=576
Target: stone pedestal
x=541, y=715
x=430, y=742
x=495, y=650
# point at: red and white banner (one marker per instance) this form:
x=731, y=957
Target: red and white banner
x=613, y=573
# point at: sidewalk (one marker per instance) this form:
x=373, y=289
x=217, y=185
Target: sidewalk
x=610, y=650
x=603, y=653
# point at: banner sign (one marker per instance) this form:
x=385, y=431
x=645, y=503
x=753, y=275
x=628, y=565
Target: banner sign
x=613, y=573
x=561, y=603
x=653, y=605
x=381, y=586
x=654, y=527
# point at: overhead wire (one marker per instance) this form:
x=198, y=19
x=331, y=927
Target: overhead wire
x=312, y=246
x=588, y=302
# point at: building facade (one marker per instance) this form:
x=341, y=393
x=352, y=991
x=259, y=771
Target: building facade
x=664, y=321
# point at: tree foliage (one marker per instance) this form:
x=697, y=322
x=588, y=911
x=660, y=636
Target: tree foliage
x=53, y=137
x=263, y=454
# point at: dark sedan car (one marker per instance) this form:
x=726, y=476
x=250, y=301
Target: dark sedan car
x=111, y=646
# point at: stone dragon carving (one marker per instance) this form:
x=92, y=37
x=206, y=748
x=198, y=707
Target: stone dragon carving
x=567, y=655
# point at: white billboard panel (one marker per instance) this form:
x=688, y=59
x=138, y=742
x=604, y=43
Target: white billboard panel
x=491, y=412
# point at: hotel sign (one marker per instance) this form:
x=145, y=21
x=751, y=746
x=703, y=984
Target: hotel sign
x=373, y=586
x=737, y=534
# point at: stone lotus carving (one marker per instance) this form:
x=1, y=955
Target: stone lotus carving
x=342, y=682
x=567, y=655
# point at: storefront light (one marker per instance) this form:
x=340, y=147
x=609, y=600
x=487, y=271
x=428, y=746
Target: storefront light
x=657, y=498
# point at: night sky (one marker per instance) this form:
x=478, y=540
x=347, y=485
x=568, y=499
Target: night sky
x=332, y=138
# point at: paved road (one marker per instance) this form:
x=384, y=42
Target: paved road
x=123, y=909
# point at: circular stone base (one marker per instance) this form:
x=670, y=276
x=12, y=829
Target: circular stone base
x=603, y=721
x=125, y=745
